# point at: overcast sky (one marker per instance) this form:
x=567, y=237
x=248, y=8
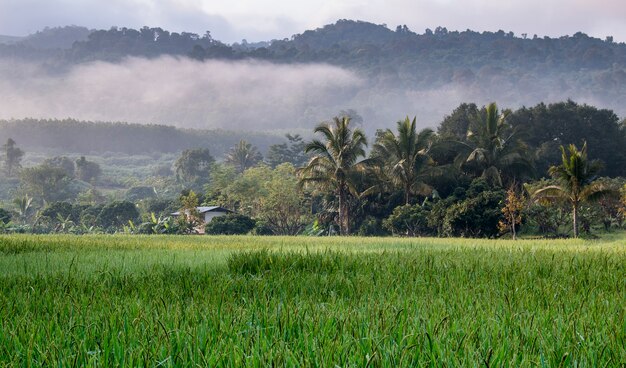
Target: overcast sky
x=256, y=20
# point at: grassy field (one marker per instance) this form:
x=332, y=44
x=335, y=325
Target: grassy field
x=299, y=301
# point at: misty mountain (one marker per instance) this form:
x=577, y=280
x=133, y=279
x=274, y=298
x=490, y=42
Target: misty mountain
x=152, y=75
x=9, y=39
x=56, y=37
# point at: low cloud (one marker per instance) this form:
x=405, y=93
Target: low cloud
x=178, y=91
x=250, y=95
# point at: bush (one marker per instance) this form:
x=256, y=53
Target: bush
x=409, y=220
x=232, y=224
x=139, y=193
x=117, y=214
x=372, y=226
x=5, y=216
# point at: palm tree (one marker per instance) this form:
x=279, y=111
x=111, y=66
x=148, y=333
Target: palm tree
x=576, y=181
x=335, y=161
x=243, y=156
x=493, y=149
x=405, y=157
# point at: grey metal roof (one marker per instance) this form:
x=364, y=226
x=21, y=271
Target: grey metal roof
x=206, y=209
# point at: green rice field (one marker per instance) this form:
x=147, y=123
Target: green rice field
x=161, y=301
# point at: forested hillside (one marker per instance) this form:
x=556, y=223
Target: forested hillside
x=397, y=67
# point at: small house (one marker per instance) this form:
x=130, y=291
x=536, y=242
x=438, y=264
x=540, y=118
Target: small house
x=208, y=214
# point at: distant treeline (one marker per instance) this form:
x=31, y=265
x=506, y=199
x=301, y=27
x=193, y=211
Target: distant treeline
x=519, y=69
x=543, y=128
x=73, y=136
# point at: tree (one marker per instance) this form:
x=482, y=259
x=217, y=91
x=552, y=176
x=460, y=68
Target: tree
x=456, y=125
x=284, y=209
x=334, y=163
x=47, y=183
x=493, y=149
x=12, y=156
x=231, y=224
x=405, y=157
x=5, y=216
x=194, y=166
x=243, y=156
x=87, y=170
x=117, y=214
x=577, y=181
x=189, y=218
x=62, y=162
x=292, y=153
x=409, y=220
x=512, y=211
x=568, y=122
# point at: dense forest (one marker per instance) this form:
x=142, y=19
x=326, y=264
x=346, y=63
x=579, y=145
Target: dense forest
x=397, y=67
x=552, y=170
x=82, y=137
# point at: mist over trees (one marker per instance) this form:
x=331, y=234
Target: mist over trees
x=380, y=71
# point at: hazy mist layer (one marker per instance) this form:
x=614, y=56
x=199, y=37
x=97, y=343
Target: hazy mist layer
x=242, y=95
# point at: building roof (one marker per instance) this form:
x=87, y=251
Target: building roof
x=203, y=210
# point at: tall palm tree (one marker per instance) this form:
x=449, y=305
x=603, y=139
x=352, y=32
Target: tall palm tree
x=243, y=156
x=493, y=148
x=335, y=160
x=576, y=177
x=405, y=157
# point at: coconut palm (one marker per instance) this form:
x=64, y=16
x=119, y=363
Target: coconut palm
x=576, y=177
x=493, y=148
x=405, y=157
x=243, y=156
x=335, y=161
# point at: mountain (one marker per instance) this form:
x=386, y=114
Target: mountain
x=402, y=71
x=9, y=39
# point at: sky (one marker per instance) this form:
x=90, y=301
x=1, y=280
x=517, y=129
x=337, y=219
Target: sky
x=262, y=20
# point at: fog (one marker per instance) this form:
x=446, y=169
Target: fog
x=243, y=95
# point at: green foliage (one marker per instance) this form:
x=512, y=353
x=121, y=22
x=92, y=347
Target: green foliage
x=87, y=171
x=5, y=216
x=405, y=157
x=493, y=150
x=46, y=183
x=231, y=224
x=11, y=156
x=117, y=214
x=335, y=162
x=62, y=162
x=194, y=166
x=409, y=220
x=59, y=215
x=476, y=216
x=291, y=152
x=471, y=212
x=140, y=193
x=546, y=127
x=243, y=156
x=104, y=138
x=576, y=178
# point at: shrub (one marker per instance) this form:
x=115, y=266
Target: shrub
x=5, y=216
x=475, y=216
x=409, y=220
x=232, y=224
